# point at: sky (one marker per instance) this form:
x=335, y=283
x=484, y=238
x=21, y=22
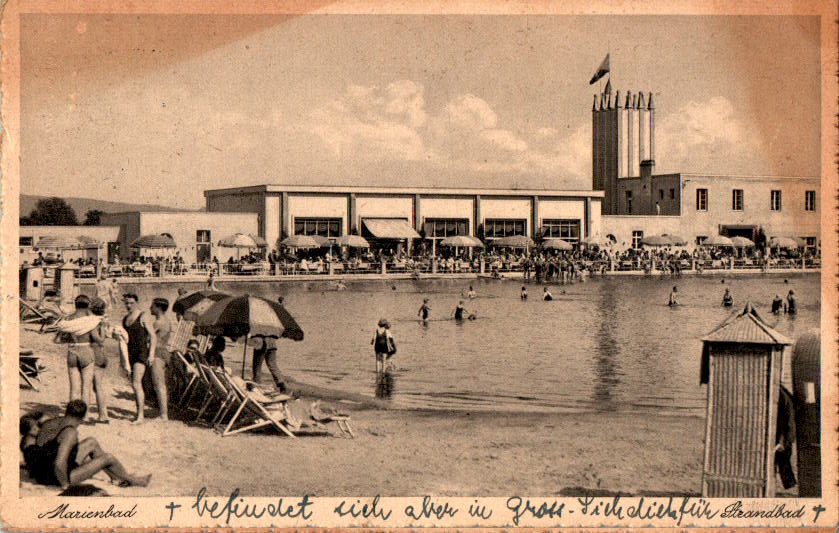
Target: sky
x=158, y=108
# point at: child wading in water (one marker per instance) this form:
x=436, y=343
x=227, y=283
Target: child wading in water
x=424, y=310
x=383, y=344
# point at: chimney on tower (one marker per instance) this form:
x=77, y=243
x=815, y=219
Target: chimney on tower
x=628, y=99
x=640, y=100
x=618, y=100
x=594, y=105
x=650, y=101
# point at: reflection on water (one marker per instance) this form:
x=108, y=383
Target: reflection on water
x=605, y=345
x=385, y=385
x=606, y=359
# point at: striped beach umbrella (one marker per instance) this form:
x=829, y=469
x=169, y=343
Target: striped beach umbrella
x=676, y=240
x=237, y=316
x=789, y=243
x=246, y=316
x=154, y=241
x=514, y=241
x=182, y=305
x=260, y=242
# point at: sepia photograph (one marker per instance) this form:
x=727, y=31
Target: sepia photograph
x=420, y=255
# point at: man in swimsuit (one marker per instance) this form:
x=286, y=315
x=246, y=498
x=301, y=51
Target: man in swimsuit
x=58, y=457
x=523, y=292
x=674, y=300
x=792, y=307
x=100, y=360
x=546, y=295
x=161, y=376
x=727, y=299
x=458, y=311
x=142, y=348
x=777, y=304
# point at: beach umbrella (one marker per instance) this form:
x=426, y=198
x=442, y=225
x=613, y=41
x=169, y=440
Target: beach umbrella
x=322, y=241
x=742, y=242
x=60, y=243
x=260, y=242
x=238, y=240
x=245, y=316
x=461, y=240
x=182, y=305
x=154, y=241
x=353, y=241
x=656, y=240
x=676, y=240
x=514, y=241
x=596, y=240
x=718, y=240
x=556, y=244
x=789, y=243
x=300, y=241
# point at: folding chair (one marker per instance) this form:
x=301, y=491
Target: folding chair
x=264, y=410
x=30, y=368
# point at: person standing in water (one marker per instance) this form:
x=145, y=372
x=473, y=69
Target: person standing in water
x=424, y=311
x=792, y=307
x=674, y=297
x=777, y=304
x=523, y=292
x=383, y=344
x=727, y=299
x=471, y=294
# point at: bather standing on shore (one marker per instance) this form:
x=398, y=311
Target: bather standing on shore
x=142, y=347
x=424, y=311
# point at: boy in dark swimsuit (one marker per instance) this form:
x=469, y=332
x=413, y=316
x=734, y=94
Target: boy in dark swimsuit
x=424, y=310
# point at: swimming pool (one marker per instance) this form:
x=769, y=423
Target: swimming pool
x=605, y=345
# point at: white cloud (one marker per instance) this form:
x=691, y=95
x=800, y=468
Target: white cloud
x=465, y=135
x=707, y=136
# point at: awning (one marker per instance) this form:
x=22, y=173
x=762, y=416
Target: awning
x=390, y=228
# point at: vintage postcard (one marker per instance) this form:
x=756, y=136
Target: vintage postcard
x=418, y=264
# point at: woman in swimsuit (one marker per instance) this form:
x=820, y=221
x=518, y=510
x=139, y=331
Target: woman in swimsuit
x=100, y=360
x=424, y=310
x=79, y=354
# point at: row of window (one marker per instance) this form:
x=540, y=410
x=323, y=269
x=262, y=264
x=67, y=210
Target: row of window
x=775, y=202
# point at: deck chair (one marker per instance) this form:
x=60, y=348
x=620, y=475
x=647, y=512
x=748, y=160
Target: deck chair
x=262, y=410
x=219, y=392
x=30, y=368
x=202, y=383
x=313, y=421
x=181, y=336
x=189, y=375
x=29, y=314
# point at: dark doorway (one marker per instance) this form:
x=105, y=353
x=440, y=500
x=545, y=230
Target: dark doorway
x=748, y=232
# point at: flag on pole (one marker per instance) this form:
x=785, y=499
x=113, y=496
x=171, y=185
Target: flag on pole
x=602, y=70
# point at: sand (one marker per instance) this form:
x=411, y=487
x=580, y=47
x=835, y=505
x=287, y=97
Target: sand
x=395, y=452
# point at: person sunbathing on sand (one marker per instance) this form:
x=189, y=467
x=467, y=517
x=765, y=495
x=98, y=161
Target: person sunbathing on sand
x=54, y=454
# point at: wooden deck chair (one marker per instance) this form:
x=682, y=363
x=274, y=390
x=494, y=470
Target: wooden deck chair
x=30, y=368
x=202, y=383
x=191, y=378
x=263, y=410
x=221, y=391
x=341, y=420
x=181, y=336
x=29, y=314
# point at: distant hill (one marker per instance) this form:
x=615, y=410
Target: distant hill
x=83, y=205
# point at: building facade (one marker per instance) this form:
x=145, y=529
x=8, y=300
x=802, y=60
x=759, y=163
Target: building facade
x=196, y=233
x=107, y=238
x=694, y=206
x=411, y=213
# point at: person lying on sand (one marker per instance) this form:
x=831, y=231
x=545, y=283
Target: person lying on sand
x=54, y=455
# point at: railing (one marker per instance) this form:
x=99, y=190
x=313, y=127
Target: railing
x=491, y=266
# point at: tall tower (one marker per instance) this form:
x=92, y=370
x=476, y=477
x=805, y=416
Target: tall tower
x=623, y=135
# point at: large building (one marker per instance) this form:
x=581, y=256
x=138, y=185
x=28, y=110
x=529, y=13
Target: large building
x=195, y=233
x=695, y=206
x=399, y=214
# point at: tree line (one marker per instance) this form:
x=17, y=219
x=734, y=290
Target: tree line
x=57, y=212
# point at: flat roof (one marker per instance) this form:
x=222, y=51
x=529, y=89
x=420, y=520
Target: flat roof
x=428, y=191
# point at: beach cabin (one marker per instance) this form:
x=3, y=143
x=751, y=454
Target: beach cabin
x=742, y=360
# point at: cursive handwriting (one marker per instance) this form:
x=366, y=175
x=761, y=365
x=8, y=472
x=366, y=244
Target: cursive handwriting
x=63, y=511
x=238, y=509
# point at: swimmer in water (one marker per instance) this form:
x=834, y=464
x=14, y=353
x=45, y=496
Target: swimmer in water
x=674, y=300
x=424, y=310
x=523, y=292
x=341, y=286
x=546, y=295
x=792, y=307
x=459, y=311
x=727, y=299
x=471, y=294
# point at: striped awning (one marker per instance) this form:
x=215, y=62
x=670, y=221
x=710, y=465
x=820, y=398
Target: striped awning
x=390, y=228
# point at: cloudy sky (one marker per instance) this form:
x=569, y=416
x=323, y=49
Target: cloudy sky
x=158, y=108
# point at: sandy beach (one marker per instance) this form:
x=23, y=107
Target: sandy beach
x=395, y=452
